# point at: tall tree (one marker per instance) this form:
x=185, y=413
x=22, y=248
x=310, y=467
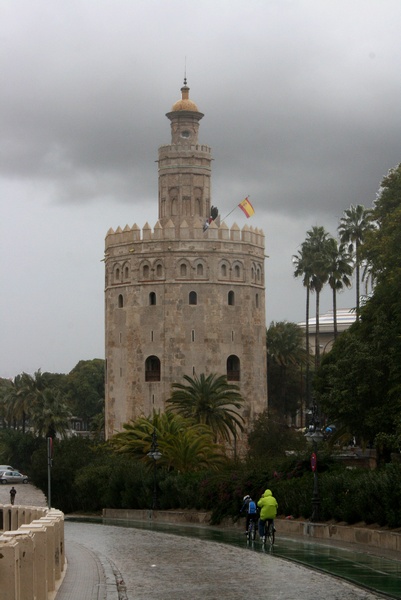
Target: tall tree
x=286, y=356
x=303, y=268
x=353, y=228
x=210, y=401
x=360, y=380
x=340, y=271
x=50, y=414
x=85, y=388
x=317, y=246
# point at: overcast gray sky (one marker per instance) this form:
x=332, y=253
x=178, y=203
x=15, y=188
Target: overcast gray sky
x=302, y=103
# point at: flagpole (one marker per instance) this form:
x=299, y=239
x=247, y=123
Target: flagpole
x=231, y=211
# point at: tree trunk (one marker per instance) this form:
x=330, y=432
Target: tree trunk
x=357, y=278
x=335, y=311
x=307, y=372
x=317, y=332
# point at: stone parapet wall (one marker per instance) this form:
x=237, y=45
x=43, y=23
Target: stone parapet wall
x=32, y=558
x=190, y=229
x=375, y=538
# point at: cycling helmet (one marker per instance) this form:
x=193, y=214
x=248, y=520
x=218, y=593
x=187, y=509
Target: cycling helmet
x=247, y=497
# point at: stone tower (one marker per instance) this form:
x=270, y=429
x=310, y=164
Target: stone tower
x=187, y=297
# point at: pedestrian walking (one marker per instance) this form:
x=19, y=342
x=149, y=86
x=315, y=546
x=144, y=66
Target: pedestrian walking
x=13, y=493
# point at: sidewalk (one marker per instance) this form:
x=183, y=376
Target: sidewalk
x=88, y=576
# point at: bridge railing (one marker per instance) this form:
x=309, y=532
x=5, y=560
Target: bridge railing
x=32, y=551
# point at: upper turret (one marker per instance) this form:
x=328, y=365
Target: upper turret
x=185, y=103
x=184, y=117
x=184, y=167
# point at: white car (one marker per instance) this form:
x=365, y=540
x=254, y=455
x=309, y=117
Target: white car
x=13, y=477
x=6, y=468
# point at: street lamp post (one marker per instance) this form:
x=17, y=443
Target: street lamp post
x=154, y=454
x=314, y=436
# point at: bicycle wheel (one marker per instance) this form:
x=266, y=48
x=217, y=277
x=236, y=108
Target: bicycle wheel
x=253, y=531
x=270, y=534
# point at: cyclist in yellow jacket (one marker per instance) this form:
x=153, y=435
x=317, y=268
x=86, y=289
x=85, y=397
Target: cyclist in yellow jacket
x=268, y=510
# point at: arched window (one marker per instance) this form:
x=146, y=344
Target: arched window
x=183, y=270
x=126, y=272
x=193, y=298
x=257, y=300
x=120, y=301
x=159, y=270
x=237, y=271
x=231, y=298
x=117, y=274
x=145, y=272
x=199, y=270
x=152, y=369
x=233, y=368
x=152, y=299
x=224, y=270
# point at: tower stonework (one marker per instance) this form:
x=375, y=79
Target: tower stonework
x=183, y=298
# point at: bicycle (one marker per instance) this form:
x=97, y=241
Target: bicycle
x=269, y=532
x=251, y=533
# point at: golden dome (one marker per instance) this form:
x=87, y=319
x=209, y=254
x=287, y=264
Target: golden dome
x=185, y=103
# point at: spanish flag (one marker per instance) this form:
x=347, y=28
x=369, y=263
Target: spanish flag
x=246, y=208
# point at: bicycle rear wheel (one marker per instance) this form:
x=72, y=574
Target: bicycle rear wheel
x=270, y=534
x=251, y=531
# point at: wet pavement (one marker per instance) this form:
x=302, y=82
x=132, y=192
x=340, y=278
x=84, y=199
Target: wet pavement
x=113, y=562
x=27, y=495
x=163, y=566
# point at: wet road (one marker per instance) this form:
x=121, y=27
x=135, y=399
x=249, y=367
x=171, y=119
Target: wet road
x=164, y=566
x=27, y=495
x=212, y=564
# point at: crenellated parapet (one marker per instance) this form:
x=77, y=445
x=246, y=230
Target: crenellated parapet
x=192, y=229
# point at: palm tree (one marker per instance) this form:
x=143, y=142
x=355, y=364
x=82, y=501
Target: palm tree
x=184, y=445
x=18, y=400
x=210, y=401
x=303, y=268
x=340, y=270
x=50, y=413
x=353, y=227
x=317, y=245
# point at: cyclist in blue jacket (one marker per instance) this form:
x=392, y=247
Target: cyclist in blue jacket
x=251, y=511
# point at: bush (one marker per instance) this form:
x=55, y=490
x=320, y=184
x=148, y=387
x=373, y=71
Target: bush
x=86, y=477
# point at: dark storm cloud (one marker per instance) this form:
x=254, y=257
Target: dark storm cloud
x=302, y=111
